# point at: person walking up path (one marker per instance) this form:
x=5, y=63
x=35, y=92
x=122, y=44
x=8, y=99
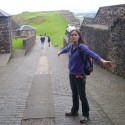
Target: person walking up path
x=42, y=38
x=49, y=40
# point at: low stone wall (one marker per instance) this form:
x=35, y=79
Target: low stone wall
x=15, y=34
x=28, y=43
x=65, y=42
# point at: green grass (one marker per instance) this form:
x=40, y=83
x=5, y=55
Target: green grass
x=17, y=43
x=50, y=23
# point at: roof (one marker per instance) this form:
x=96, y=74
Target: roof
x=4, y=14
x=26, y=28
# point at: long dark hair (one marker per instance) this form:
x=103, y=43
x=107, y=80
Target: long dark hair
x=80, y=40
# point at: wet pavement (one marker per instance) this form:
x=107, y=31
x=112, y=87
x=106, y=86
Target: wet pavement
x=105, y=91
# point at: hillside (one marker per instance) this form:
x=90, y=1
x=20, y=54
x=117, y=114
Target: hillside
x=50, y=23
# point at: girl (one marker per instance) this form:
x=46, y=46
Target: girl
x=76, y=73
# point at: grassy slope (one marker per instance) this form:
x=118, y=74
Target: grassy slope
x=50, y=23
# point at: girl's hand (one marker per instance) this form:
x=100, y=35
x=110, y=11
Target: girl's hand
x=58, y=53
x=108, y=64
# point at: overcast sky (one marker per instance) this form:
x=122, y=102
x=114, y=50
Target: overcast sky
x=18, y=6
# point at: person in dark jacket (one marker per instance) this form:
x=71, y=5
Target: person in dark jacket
x=76, y=73
x=49, y=40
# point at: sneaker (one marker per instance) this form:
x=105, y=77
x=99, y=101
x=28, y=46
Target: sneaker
x=71, y=114
x=84, y=119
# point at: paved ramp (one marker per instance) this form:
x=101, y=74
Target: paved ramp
x=40, y=104
x=4, y=58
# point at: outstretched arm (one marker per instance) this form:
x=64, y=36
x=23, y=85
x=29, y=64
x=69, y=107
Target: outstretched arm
x=65, y=50
x=95, y=56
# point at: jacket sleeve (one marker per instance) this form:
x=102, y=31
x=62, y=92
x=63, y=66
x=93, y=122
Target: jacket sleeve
x=90, y=53
x=66, y=49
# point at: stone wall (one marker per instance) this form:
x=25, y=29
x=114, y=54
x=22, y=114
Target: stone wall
x=105, y=34
x=116, y=46
x=28, y=44
x=65, y=42
x=5, y=35
x=107, y=15
x=96, y=39
x=88, y=21
x=14, y=25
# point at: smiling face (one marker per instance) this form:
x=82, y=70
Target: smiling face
x=74, y=36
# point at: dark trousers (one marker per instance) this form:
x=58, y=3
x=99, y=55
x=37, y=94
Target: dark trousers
x=78, y=90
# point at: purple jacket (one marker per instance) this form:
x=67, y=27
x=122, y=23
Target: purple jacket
x=76, y=64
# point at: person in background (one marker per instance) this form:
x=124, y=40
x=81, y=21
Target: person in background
x=72, y=28
x=76, y=73
x=69, y=29
x=49, y=40
x=42, y=38
x=66, y=33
